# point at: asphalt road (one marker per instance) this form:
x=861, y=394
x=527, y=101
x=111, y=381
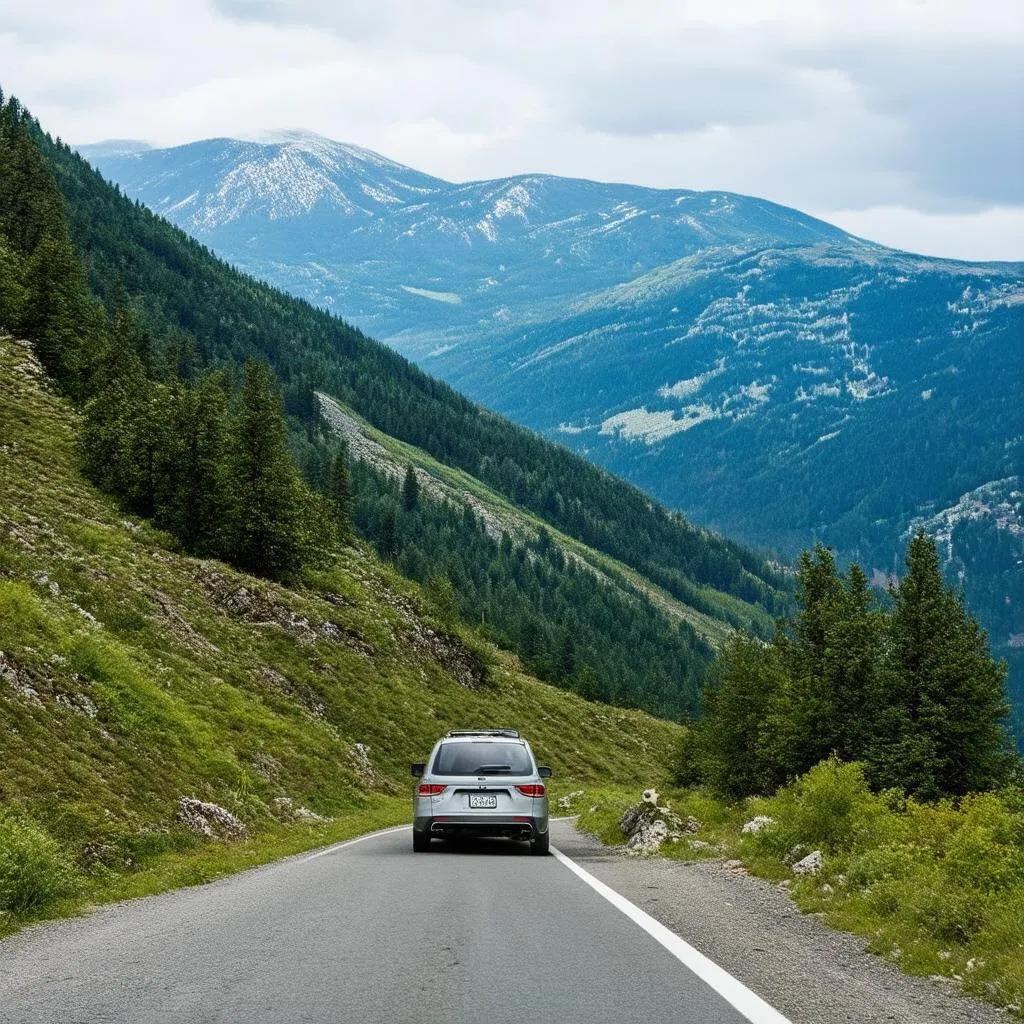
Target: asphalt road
x=480, y=933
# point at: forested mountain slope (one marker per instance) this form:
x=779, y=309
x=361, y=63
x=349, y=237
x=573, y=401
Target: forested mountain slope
x=767, y=374
x=195, y=314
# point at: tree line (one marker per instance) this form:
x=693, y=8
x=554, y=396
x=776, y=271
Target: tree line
x=602, y=639
x=909, y=688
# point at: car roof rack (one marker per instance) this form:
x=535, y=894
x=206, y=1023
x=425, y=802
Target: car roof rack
x=512, y=734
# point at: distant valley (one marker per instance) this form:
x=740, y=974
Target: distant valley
x=768, y=374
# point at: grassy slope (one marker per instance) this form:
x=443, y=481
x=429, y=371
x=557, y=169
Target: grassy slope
x=131, y=675
x=460, y=487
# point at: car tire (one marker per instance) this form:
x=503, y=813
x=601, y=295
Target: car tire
x=540, y=844
x=420, y=841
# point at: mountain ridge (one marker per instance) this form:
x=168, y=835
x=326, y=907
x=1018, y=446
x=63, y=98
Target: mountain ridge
x=739, y=365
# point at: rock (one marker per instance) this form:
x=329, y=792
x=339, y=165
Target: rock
x=361, y=760
x=757, y=825
x=566, y=802
x=19, y=679
x=78, y=703
x=810, y=865
x=648, y=837
x=285, y=806
x=647, y=826
x=209, y=820
x=794, y=854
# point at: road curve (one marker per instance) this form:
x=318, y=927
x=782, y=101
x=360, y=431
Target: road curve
x=480, y=933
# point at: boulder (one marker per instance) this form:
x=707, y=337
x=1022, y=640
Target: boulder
x=209, y=820
x=810, y=865
x=647, y=825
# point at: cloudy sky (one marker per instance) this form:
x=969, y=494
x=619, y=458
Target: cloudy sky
x=900, y=120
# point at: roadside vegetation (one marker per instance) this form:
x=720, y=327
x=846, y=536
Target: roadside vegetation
x=935, y=887
x=860, y=759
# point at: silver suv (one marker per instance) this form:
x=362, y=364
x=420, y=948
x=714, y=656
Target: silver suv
x=481, y=782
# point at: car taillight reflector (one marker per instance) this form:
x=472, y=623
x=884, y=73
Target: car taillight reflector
x=430, y=789
x=531, y=790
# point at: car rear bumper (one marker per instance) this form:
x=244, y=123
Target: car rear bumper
x=518, y=827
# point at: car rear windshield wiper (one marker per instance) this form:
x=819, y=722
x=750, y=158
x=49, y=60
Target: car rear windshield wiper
x=486, y=769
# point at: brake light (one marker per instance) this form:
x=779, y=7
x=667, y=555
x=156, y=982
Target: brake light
x=430, y=789
x=533, y=789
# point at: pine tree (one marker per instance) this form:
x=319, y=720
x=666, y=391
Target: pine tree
x=743, y=743
x=853, y=666
x=193, y=502
x=805, y=650
x=12, y=294
x=952, y=701
x=410, y=489
x=267, y=495
x=388, y=539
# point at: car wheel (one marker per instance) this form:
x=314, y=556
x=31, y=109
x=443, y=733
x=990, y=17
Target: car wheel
x=420, y=841
x=540, y=844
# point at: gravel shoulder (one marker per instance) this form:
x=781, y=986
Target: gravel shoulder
x=752, y=929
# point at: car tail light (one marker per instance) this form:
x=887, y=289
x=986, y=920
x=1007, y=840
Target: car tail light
x=430, y=789
x=533, y=789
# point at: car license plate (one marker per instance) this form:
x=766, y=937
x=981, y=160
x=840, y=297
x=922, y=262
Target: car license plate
x=482, y=800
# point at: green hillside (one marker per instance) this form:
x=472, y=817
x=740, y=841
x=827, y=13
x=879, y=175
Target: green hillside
x=132, y=676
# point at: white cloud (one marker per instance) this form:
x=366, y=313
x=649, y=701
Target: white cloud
x=911, y=106
x=993, y=234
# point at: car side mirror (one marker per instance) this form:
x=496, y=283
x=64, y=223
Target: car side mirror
x=544, y=771
x=417, y=770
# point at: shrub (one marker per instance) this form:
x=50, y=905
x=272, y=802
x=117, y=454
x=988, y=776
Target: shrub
x=34, y=872
x=830, y=808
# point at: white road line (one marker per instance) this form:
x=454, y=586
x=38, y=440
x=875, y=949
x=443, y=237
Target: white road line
x=734, y=992
x=352, y=842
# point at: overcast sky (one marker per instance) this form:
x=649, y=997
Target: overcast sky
x=900, y=120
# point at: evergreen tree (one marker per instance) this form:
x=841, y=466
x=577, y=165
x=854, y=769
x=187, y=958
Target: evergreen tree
x=952, y=700
x=742, y=743
x=193, y=501
x=114, y=418
x=853, y=666
x=12, y=294
x=340, y=492
x=388, y=540
x=805, y=649
x=410, y=489
x=267, y=495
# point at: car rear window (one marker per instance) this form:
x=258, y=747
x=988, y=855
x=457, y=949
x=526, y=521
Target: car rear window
x=482, y=757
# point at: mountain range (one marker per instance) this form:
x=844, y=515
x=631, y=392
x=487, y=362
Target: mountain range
x=766, y=373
